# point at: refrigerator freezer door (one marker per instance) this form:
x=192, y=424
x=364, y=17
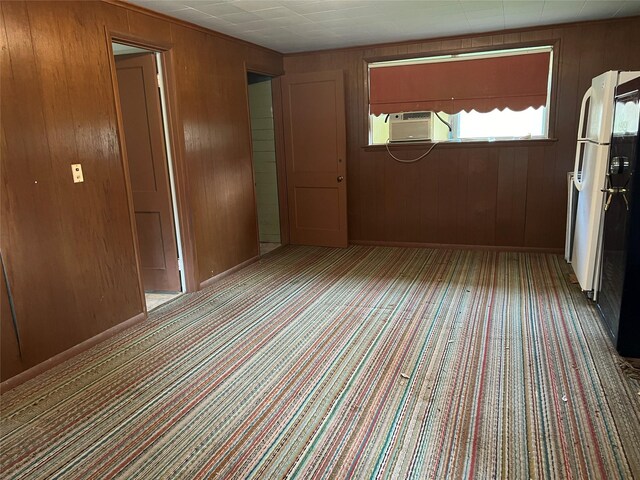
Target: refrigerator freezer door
x=589, y=214
x=600, y=117
x=577, y=167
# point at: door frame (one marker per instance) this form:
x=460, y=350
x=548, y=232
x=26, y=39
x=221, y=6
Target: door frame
x=175, y=148
x=278, y=133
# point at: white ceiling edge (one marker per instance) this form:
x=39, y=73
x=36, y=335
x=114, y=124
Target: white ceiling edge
x=292, y=26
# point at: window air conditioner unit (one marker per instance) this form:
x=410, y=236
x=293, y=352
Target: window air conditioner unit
x=410, y=126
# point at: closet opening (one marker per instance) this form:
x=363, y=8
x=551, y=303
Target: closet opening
x=265, y=172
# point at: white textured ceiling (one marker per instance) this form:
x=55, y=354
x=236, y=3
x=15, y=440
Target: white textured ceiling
x=303, y=25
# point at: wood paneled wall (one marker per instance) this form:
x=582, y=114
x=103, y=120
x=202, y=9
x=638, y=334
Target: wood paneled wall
x=502, y=194
x=213, y=104
x=69, y=248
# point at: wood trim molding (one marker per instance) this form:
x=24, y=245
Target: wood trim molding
x=69, y=353
x=262, y=69
x=446, y=51
x=489, y=248
x=210, y=281
x=137, y=40
x=410, y=146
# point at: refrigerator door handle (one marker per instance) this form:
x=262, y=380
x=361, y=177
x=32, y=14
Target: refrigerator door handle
x=583, y=105
x=577, y=174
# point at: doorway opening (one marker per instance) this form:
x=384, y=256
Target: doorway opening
x=143, y=106
x=265, y=172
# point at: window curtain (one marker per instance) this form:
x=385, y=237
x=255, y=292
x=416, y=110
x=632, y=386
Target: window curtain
x=516, y=82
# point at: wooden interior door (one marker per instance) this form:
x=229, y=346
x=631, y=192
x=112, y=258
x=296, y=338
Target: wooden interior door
x=315, y=150
x=146, y=153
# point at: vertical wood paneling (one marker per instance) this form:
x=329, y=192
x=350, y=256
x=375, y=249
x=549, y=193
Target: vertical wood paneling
x=353, y=168
x=511, y=196
x=482, y=185
x=558, y=183
x=69, y=248
x=365, y=196
x=428, y=215
x=569, y=91
x=211, y=89
x=451, y=196
x=540, y=204
x=411, y=214
x=503, y=194
x=59, y=238
x=396, y=200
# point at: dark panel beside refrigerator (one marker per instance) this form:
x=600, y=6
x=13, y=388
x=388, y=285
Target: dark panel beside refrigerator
x=619, y=297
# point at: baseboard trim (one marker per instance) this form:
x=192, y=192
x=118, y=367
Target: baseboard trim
x=42, y=367
x=210, y=281
x=492, y=248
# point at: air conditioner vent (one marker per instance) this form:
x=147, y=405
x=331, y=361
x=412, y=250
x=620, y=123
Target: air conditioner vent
x=410, y=127
x=416, y=116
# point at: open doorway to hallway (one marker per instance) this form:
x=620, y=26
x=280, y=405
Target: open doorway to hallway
x=264, y=161
x=146, y=137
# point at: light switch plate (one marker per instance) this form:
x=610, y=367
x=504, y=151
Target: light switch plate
x=76, y=169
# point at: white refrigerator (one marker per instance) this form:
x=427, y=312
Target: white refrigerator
x=584, y=232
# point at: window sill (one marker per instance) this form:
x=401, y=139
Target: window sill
x=463, y=144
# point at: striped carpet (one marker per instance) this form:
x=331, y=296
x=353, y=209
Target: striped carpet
x=360, y=363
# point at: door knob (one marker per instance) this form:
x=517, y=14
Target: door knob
x=340, y=178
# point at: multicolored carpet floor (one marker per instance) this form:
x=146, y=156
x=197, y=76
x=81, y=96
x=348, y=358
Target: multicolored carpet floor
x=357, y=363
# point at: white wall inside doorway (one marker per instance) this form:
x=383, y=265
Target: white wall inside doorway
x=264, y=161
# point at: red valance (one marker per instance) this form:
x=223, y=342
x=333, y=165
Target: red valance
x=516, y=82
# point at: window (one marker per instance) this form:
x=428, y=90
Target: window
x=497, y=95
